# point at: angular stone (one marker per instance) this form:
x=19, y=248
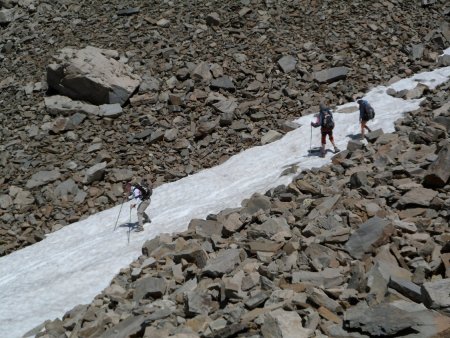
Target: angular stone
x=331, y=75
x=265, y=246
x=287, y=63
x=255, y=203
x=353, y=145
x=202, y=73
x=90, y=74
x=224, y=263
x=110, y=110
x=205, y=228
x=256, y=300
x=284, y=324
x=213, y=19
x=270, y=136
x=42, y=178
x=223, y=82
x=436, y=295
x=7, y=16
x=417, y=197
x=374, y=135
x=326, y=279
x=126, y=328
x=200, y=303
x=120, y=175
x=63, y=105
x=358, y=180
x=270, y=227
x=226, y=106
x=149, y=287
x=369, y=235
x=379, y=320
x=406, y=288
x=438, y=173
x=95, y=173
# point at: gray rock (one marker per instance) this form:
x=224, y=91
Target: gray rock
x=193, y=255
x=418, y=197
x=284, y=324
x=66, y=188
x=110, y=110
x=358, y=180
x=370, y=234
x=95, y=173
x=90, y=74
x=63, y=105
x=271, y=136
x=331, y=75
x=256, y=300
x=199, y=303
x=42, y=178
x=287, y=63
x=224, y=263
x=374, y=135
x=226, y=106
x=202, y=73
x=379, y=320
x=126, y=328
x=205, y=228
x=120, y=175
x=255, y=203
x=270, y=227
x=444, y=60
x=406, y=288
x=353, y=145
x=128, y=11
x=149, y=287
x=438, y=173
x=7, y=16
x=417, y=51
x=5, y=201
x=327, y=278
x=436, y=295
x=213, y=19
x=223, y=82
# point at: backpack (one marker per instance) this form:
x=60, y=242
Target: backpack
x=369, y=112
x=146, y=192
x=327, y=119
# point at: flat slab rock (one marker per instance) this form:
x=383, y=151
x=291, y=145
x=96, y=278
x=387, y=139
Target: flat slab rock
x=93, y=75
x=372, y=233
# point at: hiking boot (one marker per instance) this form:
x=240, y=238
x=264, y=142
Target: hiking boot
x=336, y=150
x=139, y=229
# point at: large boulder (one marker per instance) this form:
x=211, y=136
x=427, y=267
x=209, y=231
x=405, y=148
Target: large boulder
x=439, y=171
x=92, y=75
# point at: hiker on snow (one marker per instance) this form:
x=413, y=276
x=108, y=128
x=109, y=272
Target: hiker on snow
x=366, y=113
x=140, y=194
x=325, y=121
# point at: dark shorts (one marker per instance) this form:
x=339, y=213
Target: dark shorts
x=325, y=132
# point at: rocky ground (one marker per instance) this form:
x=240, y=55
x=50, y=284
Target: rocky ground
x=216, y=77
x=357, y=248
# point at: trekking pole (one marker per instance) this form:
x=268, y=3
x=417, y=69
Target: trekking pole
x=310, y=141
x=120, y=210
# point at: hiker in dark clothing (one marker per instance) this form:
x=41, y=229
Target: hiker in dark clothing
x=365, y=114
x=140, y=194
x=325, y=121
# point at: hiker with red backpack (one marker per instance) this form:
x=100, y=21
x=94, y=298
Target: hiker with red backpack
x=325, y=121
x=140, y=194
x=366, y=113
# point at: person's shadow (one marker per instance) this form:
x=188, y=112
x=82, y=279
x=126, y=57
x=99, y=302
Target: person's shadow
x=129, y=225
x=354, y=137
